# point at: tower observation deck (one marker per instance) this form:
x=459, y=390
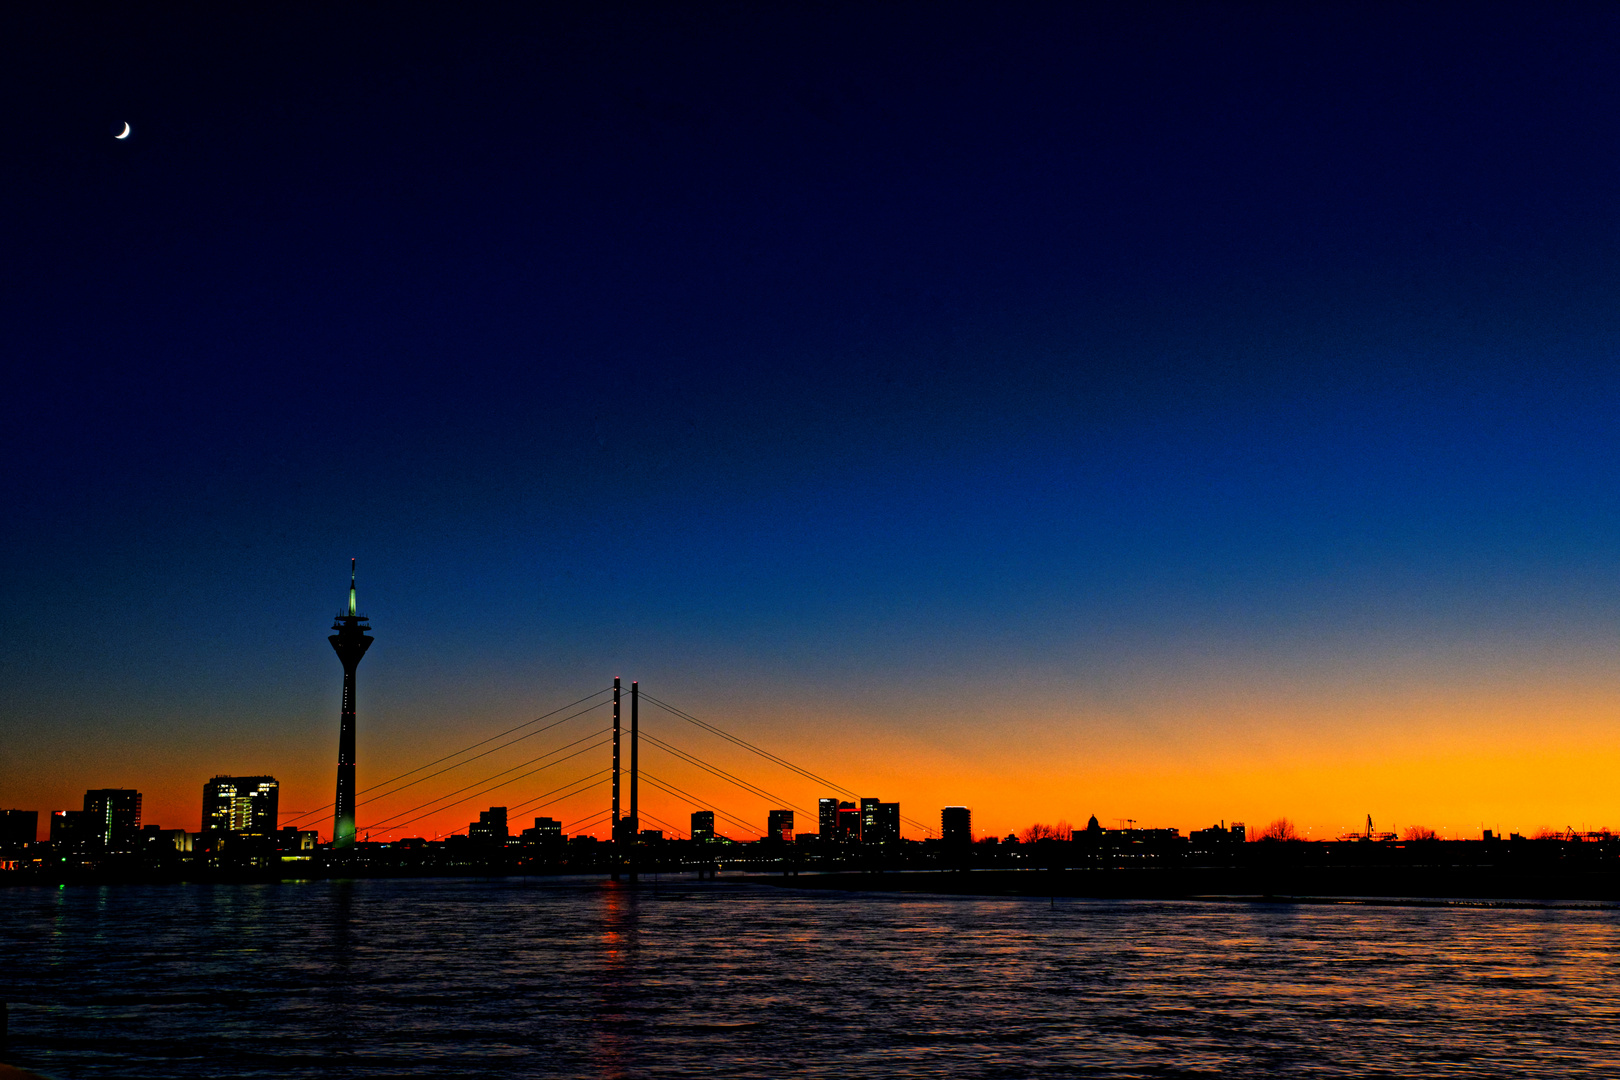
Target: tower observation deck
x=350, y=642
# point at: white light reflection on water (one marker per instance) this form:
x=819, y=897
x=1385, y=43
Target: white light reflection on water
x=515, y=979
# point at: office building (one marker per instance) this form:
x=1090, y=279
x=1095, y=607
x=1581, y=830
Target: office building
x=827, y=819
x=779, y=825
x=1216, y=836
x=490, y=828
x=292, y=838
x=65, y=830
x=112, y=817
x=350, y=643
x=241, y=804
x=703, y=825
x=546, y=831
x=956, y=826
x=848, y=829
x=880, y=824
x=18, y=827
x=868, y=817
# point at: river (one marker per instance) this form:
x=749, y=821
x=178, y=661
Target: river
x=543, y=978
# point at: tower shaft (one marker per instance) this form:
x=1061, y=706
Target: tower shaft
x=613, y=831
x=343, y=818
x=634, y=828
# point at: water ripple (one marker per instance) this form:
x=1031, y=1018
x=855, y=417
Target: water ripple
x=580, y=978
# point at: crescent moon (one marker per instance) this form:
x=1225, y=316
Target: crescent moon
x=125, y=133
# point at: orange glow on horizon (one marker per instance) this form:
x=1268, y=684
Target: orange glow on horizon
x=1513, y=748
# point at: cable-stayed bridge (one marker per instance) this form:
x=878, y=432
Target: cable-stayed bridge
x=584, y=757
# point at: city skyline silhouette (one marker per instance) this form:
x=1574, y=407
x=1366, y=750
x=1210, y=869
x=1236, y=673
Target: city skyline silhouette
x=363, y=814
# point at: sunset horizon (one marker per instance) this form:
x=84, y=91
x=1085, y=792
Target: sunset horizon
x=1323, y=741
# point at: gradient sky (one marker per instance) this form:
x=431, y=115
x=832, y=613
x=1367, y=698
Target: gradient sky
x=1163, y=412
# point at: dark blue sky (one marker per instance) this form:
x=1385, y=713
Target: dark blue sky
x=791, y=350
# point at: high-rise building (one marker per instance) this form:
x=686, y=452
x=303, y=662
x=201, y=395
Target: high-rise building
x=112, y=816
x=18, y=827
x=350, y=643
x=956, y=826
x=880, y=821
x=546, y=831
x=490, y=828
x=849, y=823
x=779, y=825
x=868, y=817
x=65, y=830
x=241, y=804
x=827, y=821
x=881, y=824
x=703, y=824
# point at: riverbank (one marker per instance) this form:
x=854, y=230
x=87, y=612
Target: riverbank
x=1361, y=884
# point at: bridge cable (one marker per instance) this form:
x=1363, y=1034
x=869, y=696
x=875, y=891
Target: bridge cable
x=671, y=789
x=530, y=803
x=503, y=783
x=786, y=764
x=463, y=750
x=453, y=832
x=560, y=798
x=487, y=779
x=586, y=821
x=493, y=776
x=672, y=828
x=492, y=750
x=688, y=797
x=745, y=744
x=752, y=789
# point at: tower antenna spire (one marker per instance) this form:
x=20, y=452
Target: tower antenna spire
x=351, y=586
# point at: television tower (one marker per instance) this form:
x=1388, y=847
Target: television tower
x=350, y=643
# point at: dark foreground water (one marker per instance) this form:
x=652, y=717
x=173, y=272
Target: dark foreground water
x=512, y=979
